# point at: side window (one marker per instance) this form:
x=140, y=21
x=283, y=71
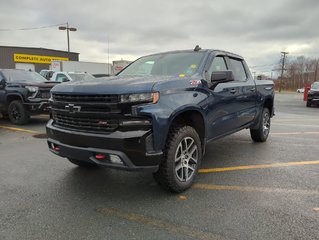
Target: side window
x=60, y=77
x=238, y=69
x=218, y=64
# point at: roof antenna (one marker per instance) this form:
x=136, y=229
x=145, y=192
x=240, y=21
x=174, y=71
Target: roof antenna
x=197, y=48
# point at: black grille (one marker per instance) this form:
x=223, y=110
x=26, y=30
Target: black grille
x=86, y=98
x=89, y=108
x=45, y=94
x=85, y=124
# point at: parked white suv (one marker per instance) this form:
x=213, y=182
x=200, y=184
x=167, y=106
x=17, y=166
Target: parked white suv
x=71, y=76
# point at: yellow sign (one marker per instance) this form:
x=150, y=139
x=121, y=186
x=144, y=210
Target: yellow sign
x=27, y=58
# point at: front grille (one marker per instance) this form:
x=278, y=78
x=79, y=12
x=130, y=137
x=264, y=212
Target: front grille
x=87, y=98
x=89, y=108
x=94, y=113
x=45, y=95
x=87, y=124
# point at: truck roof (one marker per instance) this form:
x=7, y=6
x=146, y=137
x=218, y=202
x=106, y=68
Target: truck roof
x=215, y=51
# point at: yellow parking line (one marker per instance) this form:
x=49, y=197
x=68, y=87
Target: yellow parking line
x=253, y=189
x=293, y=124
x=293, y=133
x=292, y=120
x=160, y=224
x=273, y=165
x=19, y=129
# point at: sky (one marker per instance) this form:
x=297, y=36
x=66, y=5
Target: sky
x=127, y=29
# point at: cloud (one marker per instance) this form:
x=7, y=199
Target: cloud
x=258, y=30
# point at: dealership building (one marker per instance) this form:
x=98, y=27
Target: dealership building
x=34, y=59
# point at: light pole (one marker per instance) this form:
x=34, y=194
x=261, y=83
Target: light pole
x=67, y=28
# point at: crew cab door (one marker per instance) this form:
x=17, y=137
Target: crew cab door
x=245, y=86
x=230, y=105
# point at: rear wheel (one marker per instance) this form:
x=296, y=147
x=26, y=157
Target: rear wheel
x=82, y=164
x=17, y=113
x=261, y=134
x=183, y=155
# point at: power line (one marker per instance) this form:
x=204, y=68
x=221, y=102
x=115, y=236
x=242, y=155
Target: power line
x=31, y=28
x=260, y=66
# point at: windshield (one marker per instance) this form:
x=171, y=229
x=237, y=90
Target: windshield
x=315, y=85
x=166, y=64
x=81, y=76
x=13, y=75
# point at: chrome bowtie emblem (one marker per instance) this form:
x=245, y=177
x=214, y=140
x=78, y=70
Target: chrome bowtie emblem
x=72, y=108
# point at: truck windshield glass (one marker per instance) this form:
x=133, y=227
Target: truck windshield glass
x=22, y=76
x=315, y=85
x=168, y=64
x=81, y=76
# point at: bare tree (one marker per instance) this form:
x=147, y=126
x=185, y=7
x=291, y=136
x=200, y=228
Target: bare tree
x=300, y=71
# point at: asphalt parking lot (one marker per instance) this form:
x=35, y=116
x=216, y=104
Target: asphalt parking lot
x=244, y=190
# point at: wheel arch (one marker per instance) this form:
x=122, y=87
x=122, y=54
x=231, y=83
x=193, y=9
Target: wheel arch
x=191, y=117
x=13, y=97
x=269, y=103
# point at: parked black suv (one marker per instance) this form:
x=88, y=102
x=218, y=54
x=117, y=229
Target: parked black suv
x=23, y=93
x=313, y=94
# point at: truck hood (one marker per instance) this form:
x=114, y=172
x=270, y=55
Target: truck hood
x=111, y=85
x=34, y=84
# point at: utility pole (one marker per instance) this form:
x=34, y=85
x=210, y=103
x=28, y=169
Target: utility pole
x=282, y=68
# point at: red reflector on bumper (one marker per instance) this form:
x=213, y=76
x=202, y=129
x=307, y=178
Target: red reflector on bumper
x=100, y=156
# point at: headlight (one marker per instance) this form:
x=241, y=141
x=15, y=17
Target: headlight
x=32, y=89
x=140, y=97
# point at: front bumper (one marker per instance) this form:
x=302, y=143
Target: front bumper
x=121, y=150
x=313, y=98
x=38, y=106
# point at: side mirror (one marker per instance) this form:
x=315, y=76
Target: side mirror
x=2, y=83
x=65, y=79
x=222, y=76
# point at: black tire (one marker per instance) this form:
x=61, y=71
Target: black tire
x=17, y=113
x=308, y=104
x=179, y=168
x=82, y=164
x=262, y=132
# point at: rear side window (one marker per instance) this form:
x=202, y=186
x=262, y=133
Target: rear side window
x=238, y=69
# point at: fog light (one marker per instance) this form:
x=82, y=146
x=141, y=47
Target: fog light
x=116, y=159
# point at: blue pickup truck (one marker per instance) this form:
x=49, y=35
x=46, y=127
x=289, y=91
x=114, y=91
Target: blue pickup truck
x=159, y=113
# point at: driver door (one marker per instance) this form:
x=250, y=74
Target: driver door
x=221, y=111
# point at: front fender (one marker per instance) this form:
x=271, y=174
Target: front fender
x=162, y=118
x=172, y=103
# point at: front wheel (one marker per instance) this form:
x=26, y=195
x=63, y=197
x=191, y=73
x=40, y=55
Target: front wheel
x=17, y=113
x=261, y=133
x=183, y=155
x=308, y=104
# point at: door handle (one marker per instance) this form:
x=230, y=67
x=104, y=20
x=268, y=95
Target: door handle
x=233, y=91
x=252, y=89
